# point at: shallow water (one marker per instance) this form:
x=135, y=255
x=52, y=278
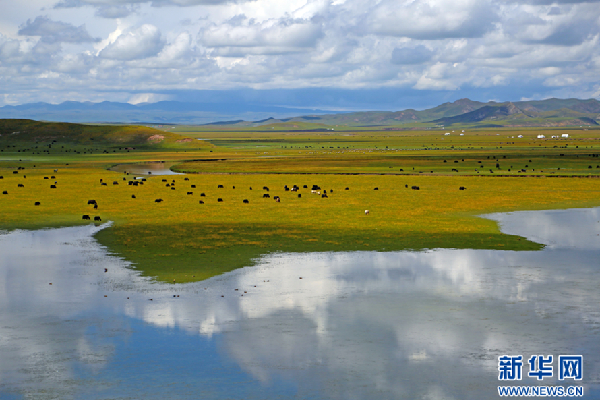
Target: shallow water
x=148, y=168
x=361, y=325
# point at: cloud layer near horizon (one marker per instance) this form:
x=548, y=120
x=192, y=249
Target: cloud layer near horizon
x=53, y=50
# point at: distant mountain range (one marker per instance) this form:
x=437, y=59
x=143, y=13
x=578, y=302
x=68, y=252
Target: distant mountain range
x=550, y=112
x=163, y=112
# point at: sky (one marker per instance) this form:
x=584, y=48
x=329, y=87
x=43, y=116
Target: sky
x=423, y=51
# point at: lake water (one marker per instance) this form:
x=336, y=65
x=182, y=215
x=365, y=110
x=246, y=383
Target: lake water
x=147, y=168
x=361, y=325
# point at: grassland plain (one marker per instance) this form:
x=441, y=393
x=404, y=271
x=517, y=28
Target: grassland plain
x=182, y=240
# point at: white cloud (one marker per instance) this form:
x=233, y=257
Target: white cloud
x=549, y=71
x=268, y=37
x=110, y=39
x=143, y=42
x=55, y=31
x=442, y=76
x=197, y=44
x=411, y=55
x=431, y=19
x=74, y=64
x=552, y=2
x=115, y=11
x=181, y=46
x=10, y=50
x=158, y=3
x=147, y=98
x=563, y=80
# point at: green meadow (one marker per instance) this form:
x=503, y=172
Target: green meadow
x=182, y=240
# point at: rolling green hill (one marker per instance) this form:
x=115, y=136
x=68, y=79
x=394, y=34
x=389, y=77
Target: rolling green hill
x=23, y=132
x=509, y=114
x=370, y=118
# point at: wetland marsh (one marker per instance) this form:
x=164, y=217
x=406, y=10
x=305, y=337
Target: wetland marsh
x=358, y=324
x=376, y=289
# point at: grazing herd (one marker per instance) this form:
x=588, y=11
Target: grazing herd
x=87, y=217
x=316, y=189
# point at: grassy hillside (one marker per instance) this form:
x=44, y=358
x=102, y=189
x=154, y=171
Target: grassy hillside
x=511, y=115
x=34, y=137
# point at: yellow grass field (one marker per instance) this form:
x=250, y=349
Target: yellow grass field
x=182, y=240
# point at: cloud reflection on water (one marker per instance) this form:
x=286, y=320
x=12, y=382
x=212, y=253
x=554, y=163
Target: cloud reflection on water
x=357, y=325
x=575, y=228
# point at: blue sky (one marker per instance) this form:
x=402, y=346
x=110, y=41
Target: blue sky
x=363, y=54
